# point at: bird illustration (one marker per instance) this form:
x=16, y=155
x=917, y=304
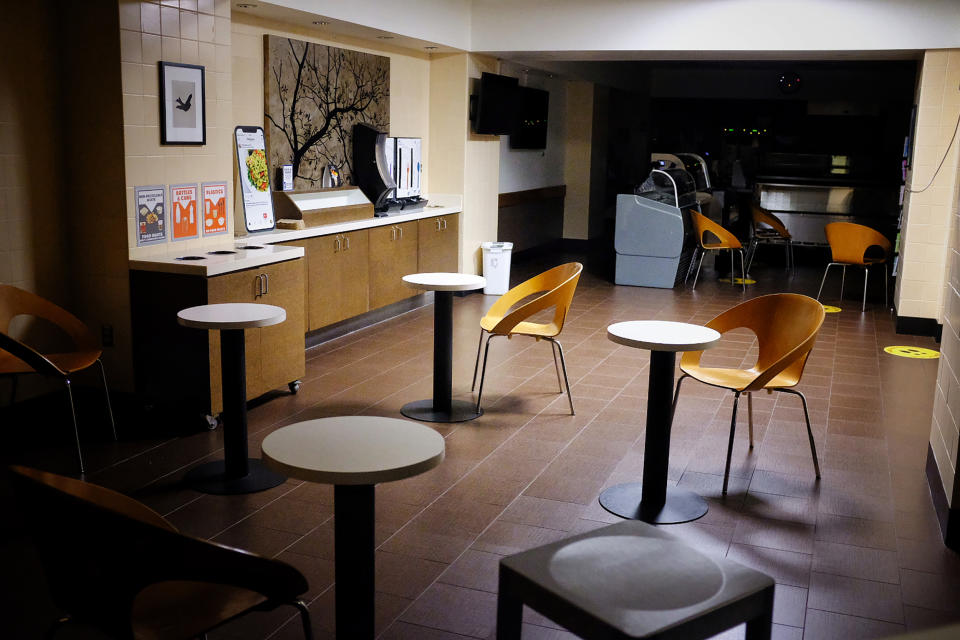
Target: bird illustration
x=184, y=106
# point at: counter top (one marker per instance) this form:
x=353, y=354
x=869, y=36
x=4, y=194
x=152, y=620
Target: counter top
x=437, y=205
x=212, y=263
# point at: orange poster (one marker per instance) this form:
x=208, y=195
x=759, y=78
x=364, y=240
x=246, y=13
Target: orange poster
x=184, y=221
x=214, y=208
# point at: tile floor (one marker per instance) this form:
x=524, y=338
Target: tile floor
x=855, y=555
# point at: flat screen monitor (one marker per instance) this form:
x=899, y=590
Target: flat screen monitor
x=530, y=127
x=495, y=104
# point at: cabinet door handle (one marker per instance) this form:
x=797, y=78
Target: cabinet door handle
x=347, y=238
x=259, y=285
x=401, y=232
x=393, y=233
x=444, y=223
x=266, y=283
x=336, y=244
x=438, y=224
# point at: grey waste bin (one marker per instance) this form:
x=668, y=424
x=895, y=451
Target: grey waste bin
x=496, y=267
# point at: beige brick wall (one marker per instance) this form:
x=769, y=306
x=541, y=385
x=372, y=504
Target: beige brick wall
x=922, y=282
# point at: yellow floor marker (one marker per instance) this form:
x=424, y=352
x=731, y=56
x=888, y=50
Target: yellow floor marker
x=827, y=308
x=913, y=352
x=740, y=280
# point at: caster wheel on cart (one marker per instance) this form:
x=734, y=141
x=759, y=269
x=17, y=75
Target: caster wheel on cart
x=294, y=387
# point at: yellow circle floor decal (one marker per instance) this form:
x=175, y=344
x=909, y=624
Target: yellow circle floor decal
x=913, y=352
x=740, y=280
x=831, y=309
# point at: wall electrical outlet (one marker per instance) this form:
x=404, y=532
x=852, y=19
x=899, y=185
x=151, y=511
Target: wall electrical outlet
x=106, y=335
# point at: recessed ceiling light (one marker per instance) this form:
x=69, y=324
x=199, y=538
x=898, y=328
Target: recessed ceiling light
x=431, y=48
x=321, y=23
x=384, y=37
x=246, y=5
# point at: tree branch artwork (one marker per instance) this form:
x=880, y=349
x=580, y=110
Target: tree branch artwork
x=314, y=95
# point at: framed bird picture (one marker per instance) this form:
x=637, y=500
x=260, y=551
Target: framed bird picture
x=183, y=117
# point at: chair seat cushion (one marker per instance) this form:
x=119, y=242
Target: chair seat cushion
x=736, y=379
x=185, y=609
x=69, y=362
x=548, y=330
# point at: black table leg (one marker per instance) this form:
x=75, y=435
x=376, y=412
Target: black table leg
x=653, y=501
x=442, y=407
x=354, y=558
x=237, y=472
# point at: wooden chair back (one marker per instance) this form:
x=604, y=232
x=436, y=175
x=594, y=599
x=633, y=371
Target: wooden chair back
x=786, y=326
x=101, y=549
x=557, y=286
x=703, y=225
x=16, y=302
x=849, y=242
x=762, y=216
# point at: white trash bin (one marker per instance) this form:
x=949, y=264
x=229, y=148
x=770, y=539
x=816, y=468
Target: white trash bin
x=496, y=267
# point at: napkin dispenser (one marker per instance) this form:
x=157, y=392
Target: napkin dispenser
x=321, y=207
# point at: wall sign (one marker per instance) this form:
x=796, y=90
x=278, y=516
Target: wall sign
x=151, y=215
x=214, y=208
x=183, y=116
x=184, y=223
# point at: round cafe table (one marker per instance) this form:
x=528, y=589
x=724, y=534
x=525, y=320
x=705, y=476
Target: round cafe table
x=353, y=453
x=652, y=500
x=237, y=473
x=442, y=407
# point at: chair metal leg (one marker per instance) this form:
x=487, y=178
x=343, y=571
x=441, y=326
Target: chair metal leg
x=843, y=278
x=750, y=417
x=866, y=274
x=477, y=363
x=886, y=303
x=76, y=431
x=693, y=259
x=106, y=392
x=733, y=428
x=304, y=618
x=556, y=367
x=743, y=270
x=824, y=279
x=483, y=370
x=699, y=264
x=751, y=252
x=563, y=363
x=806, y=415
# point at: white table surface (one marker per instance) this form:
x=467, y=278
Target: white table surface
x=234, y=315
x=444, y=281
x=353, y=450
x=660, y=335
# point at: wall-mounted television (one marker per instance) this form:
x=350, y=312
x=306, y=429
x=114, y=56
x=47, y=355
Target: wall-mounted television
x=530, y=126
x=493, y=107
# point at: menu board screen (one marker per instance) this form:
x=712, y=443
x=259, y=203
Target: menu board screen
x=254, y=178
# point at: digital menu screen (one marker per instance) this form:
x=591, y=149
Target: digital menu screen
x=254, y=178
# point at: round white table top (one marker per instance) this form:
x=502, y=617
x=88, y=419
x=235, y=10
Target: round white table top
x=234, y=315
x=444, y=281
x=660, y=335
x=353, y=449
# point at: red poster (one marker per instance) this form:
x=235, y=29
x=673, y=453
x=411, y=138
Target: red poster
x=214, y=208
x=184, y=221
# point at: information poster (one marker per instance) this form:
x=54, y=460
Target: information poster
x=409, y=167
x=254, y=178
x=183, y=201
x=214, y=208
x=151, y=215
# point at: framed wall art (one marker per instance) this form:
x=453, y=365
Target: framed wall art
x=183, y=119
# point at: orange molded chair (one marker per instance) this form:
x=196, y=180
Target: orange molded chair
x=786, y=326
x=848, y=245
x=556, y=287
x=17, y=358
x=724, y=240
x=768, y=229
x=115, y=564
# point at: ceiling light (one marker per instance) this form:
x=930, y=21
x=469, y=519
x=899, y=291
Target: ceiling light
x=321, y=23
x=245, y=5
x=431, y=48
x=384, y=37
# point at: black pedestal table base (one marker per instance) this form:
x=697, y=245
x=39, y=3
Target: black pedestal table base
x=624, y=500
x=424, y=411
x=212, y=478
x=354, y=548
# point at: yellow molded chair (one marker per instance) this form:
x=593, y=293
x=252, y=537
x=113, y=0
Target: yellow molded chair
x=116, y=565
x=17, y=358
x=848, y=246
x=786, y=326
x=557, y=286
x=724, y=240
x=768, y=229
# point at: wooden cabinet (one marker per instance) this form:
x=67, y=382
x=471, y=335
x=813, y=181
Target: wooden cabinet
x=181, y=365
x=393, y=254
x=439, y=244
x=337, y=277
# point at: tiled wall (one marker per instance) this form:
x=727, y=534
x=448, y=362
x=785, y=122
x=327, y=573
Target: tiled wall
x=921, y=286
x=945, y=430
x=187, y=31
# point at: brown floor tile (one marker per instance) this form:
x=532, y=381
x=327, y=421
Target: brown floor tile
x=856, y=562
x=786, y=567
x=851, y=596
x=455, y=609
x=825, y=625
